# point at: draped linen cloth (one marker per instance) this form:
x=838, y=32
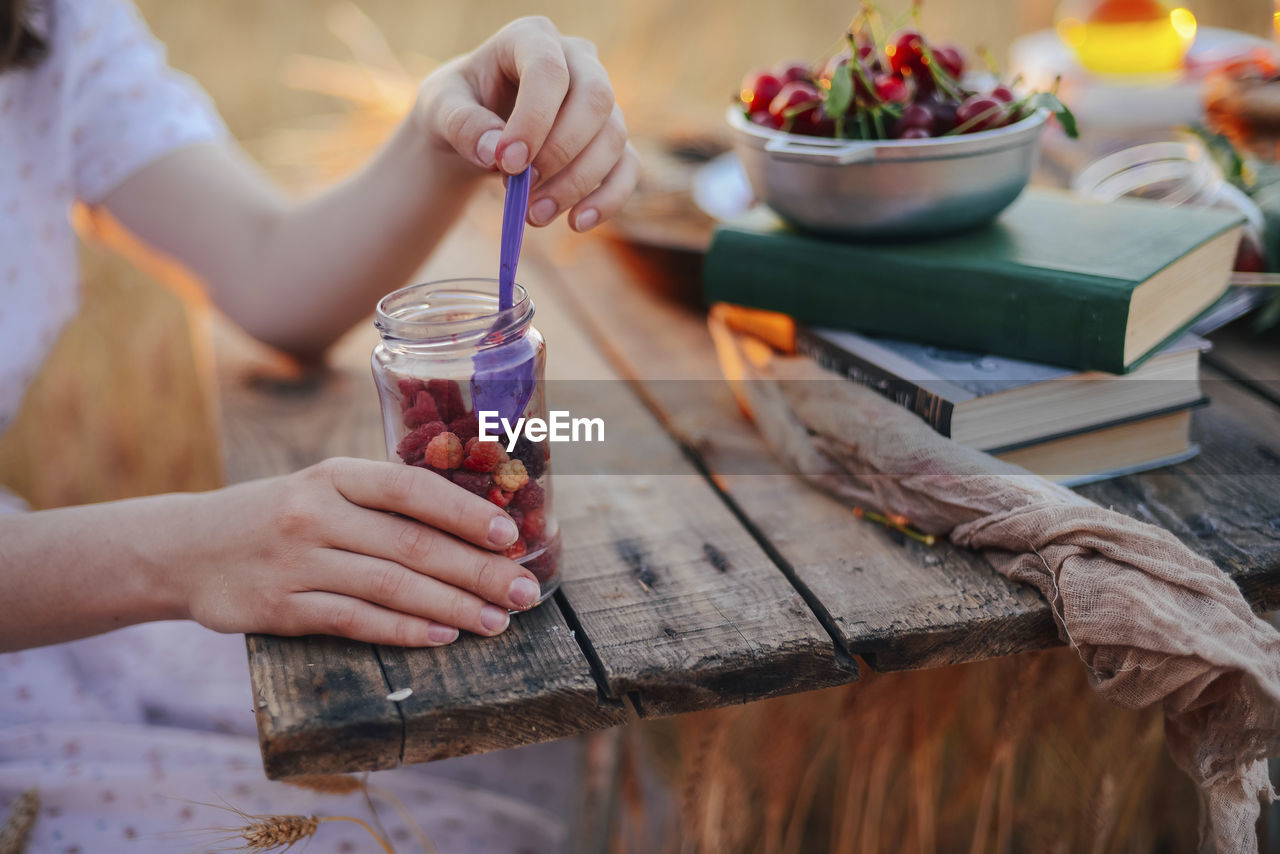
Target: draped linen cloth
x=1152, y=621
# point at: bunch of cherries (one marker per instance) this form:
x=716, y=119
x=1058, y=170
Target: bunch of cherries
x=912, y=91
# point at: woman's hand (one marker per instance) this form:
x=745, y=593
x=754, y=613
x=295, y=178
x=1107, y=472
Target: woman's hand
x=529, y=95
x=319, y=552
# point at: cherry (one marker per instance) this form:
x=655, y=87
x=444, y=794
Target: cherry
x=867, y=56
x=914, y=133
x=814, y=122
x=1249, y=258
x=915, y=116
x=992, y=111
x=791, y=72
x=758, y=89
x=944, y=112
x=892, y=90
x=764, y=118
x=951, y=60
x=1002, y=93
x=906, y=53
x=794, y=94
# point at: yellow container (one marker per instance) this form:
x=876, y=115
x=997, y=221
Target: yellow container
x=1127, y=36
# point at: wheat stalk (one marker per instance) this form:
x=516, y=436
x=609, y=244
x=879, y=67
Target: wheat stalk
x=13, y=836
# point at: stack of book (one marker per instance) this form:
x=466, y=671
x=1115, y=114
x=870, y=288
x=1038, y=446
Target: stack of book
x=1057, y=338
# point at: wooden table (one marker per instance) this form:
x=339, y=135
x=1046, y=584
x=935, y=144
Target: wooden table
x=698, y=587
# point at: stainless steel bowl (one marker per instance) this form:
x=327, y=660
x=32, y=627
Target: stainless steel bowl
x=889, y=188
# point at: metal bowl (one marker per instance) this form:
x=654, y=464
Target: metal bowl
x=888, y=188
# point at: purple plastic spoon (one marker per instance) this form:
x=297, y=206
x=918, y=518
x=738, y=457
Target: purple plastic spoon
x=513, y=214
x=503, y=378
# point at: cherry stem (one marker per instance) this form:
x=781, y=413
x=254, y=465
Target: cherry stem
x=989, y=112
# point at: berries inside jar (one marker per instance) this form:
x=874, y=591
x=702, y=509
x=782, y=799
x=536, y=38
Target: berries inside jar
x=517, y=481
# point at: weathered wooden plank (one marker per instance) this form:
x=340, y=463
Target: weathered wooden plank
x=680, y=606
x=321, y=706
x=527, y=685
x=1250, y=359
x=900, y=607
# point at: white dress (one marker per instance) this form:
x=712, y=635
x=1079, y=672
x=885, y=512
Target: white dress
x=130, y=736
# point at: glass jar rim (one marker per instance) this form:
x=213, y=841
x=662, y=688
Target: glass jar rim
x=405, y=315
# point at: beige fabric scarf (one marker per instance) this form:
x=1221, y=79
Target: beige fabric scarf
x=1151, y=620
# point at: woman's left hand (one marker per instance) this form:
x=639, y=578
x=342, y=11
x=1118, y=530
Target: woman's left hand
x=560, y=118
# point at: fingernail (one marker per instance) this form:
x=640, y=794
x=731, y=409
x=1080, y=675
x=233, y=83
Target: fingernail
x=588, y=218
x=534, y=176
x=442, y=634
x=503, y=532
x=493, y=618
x=487, y=145
x=541, y=211
x=524, y=592
x=515, y=158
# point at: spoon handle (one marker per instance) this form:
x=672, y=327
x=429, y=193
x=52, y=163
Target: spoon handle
x=513, y=214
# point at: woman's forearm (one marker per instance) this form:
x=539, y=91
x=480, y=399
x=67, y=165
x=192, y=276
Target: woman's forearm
x=324, y=263
x=297, y=274
x=70, y=573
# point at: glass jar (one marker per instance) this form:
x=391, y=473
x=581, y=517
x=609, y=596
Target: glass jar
x=449, y=363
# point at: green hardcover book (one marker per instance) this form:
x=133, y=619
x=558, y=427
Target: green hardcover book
x=1056, y=279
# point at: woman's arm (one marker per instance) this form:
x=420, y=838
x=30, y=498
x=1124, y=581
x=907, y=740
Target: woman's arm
x=299, y=275
x=313, y=552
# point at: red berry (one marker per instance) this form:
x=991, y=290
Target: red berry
x=944, y=112
x=498, y=496
x=465, y=426
x=915, y=117
x=472, y=481
x=790, y=72
x=991, y=111
x=1002, y=93
x=1249, y=259
x=906, y=53
x=483, y=456
x=448, y=397
x=409, y=389
x=758, y=89
x=814, y=122
x=529, y=496
x=914, y=133
x=793, y=96
x=443, y=452
x=533, y=525
x=517, y=550
x=892, y=90
x=544, y=566
x=422, y=411
x=414, y=444
x=764, y=118
x=951, y=60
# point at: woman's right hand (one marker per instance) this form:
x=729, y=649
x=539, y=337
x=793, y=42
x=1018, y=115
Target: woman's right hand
x=373, y=551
